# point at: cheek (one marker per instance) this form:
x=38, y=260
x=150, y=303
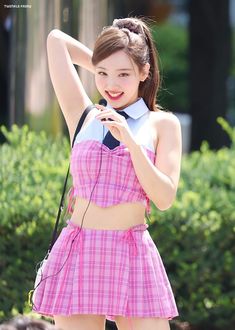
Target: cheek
x=99, y=81
x=96, y=81
x=130, y=84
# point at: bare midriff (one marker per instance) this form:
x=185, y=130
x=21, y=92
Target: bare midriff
x=120, y=216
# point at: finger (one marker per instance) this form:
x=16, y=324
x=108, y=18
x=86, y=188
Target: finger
x=106, y=111
x=99, y=106
x=109, y=114
x=109, y=123
x=105, y=117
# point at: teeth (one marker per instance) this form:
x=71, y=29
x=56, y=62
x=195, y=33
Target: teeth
x=115, y=94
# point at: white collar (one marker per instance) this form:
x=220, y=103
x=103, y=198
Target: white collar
x=136, y=109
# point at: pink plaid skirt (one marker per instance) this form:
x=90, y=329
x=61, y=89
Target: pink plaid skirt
x=105, y=272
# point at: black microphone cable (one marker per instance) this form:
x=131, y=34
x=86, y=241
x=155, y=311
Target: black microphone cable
x=30, y=298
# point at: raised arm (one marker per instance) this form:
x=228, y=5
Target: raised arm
x=63, y=51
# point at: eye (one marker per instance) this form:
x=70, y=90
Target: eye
x=102, y=73
x=124, y=74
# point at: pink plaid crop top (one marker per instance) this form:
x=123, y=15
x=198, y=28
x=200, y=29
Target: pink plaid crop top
x=107, y=176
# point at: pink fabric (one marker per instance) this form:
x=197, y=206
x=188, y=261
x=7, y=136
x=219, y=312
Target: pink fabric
x=105, y=272
x=116, y=182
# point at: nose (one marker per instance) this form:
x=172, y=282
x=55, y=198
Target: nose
x=112, y=84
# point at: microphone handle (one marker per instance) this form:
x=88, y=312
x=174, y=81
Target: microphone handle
x=104, y=103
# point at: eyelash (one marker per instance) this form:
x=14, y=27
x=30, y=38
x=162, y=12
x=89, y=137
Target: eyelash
x=124, y=74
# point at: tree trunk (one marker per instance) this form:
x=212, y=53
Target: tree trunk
x=209, y=52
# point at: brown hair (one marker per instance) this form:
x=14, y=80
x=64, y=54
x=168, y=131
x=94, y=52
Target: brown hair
x=22, y=322
x=134, y=37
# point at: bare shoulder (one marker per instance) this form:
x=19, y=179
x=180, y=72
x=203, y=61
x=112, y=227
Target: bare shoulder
x=164, y=120
x=164, y=125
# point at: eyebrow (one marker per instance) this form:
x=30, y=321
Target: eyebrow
x=124, y=69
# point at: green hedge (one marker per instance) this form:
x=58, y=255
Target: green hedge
x=33, y=171
x=195, y=237
x=172, y=44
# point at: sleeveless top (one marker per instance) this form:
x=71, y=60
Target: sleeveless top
x=107, y=176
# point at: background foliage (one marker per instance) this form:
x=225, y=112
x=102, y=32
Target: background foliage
x=174, y=66
x=195, y=236
x=172, y=42
x=33, y=167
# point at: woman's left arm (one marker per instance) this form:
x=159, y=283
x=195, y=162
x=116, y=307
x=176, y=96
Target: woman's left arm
x=160, y=180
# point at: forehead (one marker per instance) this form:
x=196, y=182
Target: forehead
x=116, y=61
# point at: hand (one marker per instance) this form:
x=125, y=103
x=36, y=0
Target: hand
x=116, y=123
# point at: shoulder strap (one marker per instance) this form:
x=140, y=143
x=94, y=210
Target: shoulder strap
x=81, y=121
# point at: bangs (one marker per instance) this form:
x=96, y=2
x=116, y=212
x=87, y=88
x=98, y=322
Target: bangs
x=110, y=41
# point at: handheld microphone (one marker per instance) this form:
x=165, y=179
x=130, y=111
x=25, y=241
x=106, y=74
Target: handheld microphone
x=104, y=103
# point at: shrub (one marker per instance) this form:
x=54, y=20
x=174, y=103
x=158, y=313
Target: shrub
x=196, y=237
x=172, y=44
x=33, y=171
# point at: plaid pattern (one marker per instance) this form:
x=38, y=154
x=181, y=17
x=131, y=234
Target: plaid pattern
x=105, y=272
x=116, y=181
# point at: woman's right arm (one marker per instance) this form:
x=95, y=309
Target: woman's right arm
x=63, y=51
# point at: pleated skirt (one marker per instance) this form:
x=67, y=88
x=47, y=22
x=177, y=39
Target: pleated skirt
x=105, y=272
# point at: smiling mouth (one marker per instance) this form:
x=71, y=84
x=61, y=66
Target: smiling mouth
x=114, y=95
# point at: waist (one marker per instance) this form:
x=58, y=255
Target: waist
x=120, y=216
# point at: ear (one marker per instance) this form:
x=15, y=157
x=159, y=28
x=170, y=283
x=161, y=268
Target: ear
x=145, y=72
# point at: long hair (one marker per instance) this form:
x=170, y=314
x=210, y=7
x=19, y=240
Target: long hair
x=133, y=36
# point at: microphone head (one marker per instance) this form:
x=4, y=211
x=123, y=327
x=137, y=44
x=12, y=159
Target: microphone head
x=103, y=102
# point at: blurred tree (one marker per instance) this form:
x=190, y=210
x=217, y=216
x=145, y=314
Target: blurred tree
x=123, y=8
x=173, y=64
x=209, y=52
x=4, y=67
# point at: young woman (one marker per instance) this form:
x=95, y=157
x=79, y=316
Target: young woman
x=109, y=266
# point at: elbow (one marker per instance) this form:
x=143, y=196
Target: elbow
x=166, y=201
x=53, y=34
x=164, y=207
x=54, y=40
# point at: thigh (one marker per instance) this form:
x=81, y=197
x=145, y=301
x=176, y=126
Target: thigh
x=140, y=323
x=80, y=322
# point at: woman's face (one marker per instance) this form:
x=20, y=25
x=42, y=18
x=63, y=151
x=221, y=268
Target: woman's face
x=117, y=79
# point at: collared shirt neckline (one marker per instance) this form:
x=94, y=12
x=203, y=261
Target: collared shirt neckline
x=136, y=109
